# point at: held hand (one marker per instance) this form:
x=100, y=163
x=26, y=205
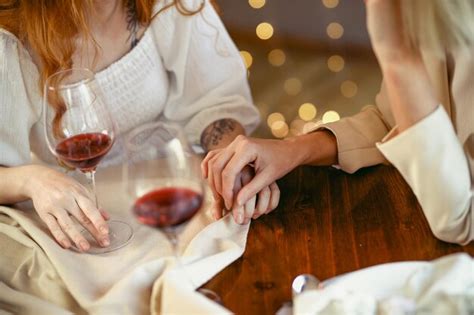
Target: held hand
x=56, y=197
x=271, y=159
x=262, y=203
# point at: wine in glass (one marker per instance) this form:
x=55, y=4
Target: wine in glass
x=80, y=131
x=163, y=179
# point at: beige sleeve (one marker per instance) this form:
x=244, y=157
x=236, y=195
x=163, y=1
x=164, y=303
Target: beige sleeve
x=357, y=135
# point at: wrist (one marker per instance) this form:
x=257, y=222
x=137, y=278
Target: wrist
x=317, y=148
x=28, y=179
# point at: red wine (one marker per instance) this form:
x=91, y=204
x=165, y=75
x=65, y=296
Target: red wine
x=84, y=151
x=167, y=206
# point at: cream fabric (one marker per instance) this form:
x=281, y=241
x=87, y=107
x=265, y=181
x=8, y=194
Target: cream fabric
x=442, y=180
x=442, y=287
x=37, y=276
x=184, y=69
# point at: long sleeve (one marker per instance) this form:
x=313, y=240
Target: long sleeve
x=357, y=135
x=19, y=103
x=208, y=80
x=431, y=159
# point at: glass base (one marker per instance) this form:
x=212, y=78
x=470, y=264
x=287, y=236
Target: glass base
x=120, y=235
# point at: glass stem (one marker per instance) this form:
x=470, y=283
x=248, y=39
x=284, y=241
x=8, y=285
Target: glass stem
x=173, y=239
x=91, y=177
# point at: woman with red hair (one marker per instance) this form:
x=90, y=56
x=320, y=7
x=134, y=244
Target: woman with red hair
x=154, y=60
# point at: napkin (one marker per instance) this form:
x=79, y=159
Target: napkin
x=37, y=276
x=444, y=286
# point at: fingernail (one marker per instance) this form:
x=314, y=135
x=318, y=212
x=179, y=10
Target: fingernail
x=84, y=245
x=65, y=244
x=104, y=230
x=240, y=218
x=105, y=242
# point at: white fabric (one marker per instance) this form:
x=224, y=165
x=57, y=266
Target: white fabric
x=442, y=287
x=184, y=69
x=432, y=161
x=140, y=278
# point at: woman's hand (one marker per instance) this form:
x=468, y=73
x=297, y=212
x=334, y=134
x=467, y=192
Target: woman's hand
x=56, y=197
x=270, y=159
x=262, y=203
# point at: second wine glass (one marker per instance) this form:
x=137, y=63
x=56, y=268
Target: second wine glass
x=163, y=179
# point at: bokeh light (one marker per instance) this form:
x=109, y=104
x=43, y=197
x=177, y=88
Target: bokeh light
x=293, y=86
x=296, y=126
x=273, y=118
x=277, y=57
x=336, y=63
x=330, y=116
x=257, y=4
x=335, y=30
x=264, y=30
x=330, y=4
x=349, y=89
x=307, y=111
x=247, y=57
x=280, y=129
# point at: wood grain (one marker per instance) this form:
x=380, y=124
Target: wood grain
x=328, y=223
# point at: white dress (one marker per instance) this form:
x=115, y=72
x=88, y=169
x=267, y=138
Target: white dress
x=185, y=69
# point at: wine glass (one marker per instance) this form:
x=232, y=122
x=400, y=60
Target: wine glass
x=163, y=180
x=80, y=131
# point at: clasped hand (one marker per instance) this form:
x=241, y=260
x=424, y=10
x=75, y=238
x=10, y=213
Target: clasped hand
x=242, y=177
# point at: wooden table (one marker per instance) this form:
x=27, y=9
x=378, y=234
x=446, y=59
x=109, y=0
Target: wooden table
x=328, y=223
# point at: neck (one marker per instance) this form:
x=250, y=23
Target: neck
x=105, y=12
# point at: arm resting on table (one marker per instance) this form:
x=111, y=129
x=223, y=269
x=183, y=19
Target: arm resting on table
x=432, y=161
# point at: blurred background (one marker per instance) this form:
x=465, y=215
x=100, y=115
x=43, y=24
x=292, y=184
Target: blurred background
x=309, y=61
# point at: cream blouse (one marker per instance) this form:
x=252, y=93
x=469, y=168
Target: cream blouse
x=185, y=69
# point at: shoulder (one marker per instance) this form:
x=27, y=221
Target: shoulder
x=18, y=74
x=12, y=49
x=9, y=43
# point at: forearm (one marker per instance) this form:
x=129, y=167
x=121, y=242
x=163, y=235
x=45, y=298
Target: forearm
x=13, y=182
x=409, y=90
x=220, y=133
x=317, y=148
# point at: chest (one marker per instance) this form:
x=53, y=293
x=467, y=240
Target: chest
x=136, y=86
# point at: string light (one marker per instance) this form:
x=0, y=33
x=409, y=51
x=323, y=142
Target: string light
x=257, y=4
x=277, y=57
x=330, y=116
x=335, y=30
x=307, y=111
x=330, y=4
x=349, y=88
x=293, y=86
x=336, y=63
x=264, y=30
